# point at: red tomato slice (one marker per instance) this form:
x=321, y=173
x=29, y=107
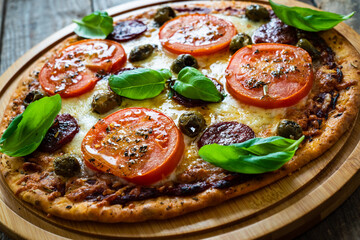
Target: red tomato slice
x=196, y=34
x=270, y=75
x=139, y=144
x=74, y=71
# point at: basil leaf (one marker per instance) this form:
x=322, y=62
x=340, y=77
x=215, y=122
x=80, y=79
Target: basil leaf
x=307, y=19
x=257, y=155
x=139, y=84
x=28, y=129
x=191, y=83
x=96, y=25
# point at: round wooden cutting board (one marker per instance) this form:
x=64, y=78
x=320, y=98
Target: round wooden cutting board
x=290, y=205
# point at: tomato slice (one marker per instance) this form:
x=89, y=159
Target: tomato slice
x=196, y=34
x=74, y=70
x=269, y=75
x=139, y=144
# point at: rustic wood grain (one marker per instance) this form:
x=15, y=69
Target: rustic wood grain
x=343, y=223
x=310, y=2
x=3, y=236
x=342, y=7
x=102, y=5
x=26, y=25
x=18, y=37
x=2, y=13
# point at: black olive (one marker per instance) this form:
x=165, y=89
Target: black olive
x=289, y=129
x=240, y=40
x=306, y=45
x=67, y=165
x=104, y=101
x=191, y=123
x=140, y=53
x=32, y=97
x=163, y=15
x=256, y=12
x=184, y=60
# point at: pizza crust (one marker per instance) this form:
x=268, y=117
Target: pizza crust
x=166, y=207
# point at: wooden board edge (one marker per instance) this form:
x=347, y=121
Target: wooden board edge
x=23, y=231
x=52, y=40
x=299, y=215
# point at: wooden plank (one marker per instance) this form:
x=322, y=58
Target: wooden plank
x=2, y=11
x=30, y=21
x=102, y=5
x=341, y=224
x=310, y=2
x=335, y=226
x=342, y=7
x=2, y=15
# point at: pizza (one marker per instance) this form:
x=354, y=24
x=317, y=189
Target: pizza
x=111, y=130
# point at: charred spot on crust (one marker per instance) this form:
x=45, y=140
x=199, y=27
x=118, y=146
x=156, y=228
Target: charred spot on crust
x=32, y=167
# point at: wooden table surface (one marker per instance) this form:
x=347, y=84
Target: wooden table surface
x=24, y=23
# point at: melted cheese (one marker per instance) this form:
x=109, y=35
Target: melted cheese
x=262, y=121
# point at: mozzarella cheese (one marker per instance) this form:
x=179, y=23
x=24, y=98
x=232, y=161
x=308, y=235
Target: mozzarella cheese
x=262, y=121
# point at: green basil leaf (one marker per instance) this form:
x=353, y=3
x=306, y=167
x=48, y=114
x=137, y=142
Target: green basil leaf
x=257, y=155
x=308, y=19
x=191, y=83
x=28, y=129
x=139, y=84
x=96, y=25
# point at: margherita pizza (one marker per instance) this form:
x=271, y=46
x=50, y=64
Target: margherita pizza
x=180, y=108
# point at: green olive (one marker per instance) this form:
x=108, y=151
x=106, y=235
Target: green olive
x=306, y=45
x=104, y=101
x=256, y=12
x=67, y=165
x=191, y=123
x=289, y=129
x=141, y=52
x=238, y=41
x=184, y=60
x=32, y=97
x=164, y=14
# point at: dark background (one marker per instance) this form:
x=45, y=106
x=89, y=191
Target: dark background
x=25, y=23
